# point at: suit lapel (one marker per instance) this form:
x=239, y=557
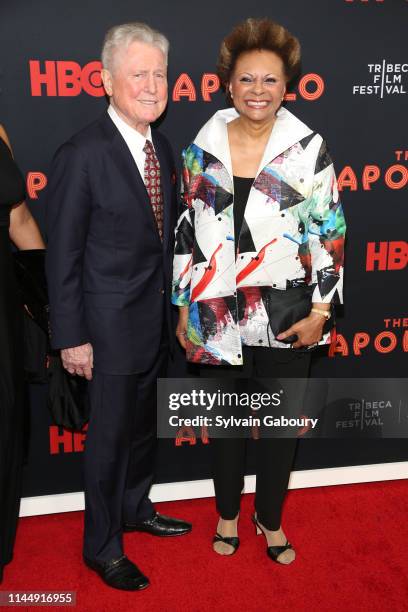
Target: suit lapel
x=126, y=165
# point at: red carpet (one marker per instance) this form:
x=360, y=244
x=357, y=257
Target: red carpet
x=351, y=543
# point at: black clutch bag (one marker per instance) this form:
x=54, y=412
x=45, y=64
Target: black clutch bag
x=286, y=307
x=67, y=394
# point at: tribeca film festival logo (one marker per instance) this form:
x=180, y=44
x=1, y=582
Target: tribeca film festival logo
x=383, y=417
x=384, y=79
x=67, y=79
x=364, y=414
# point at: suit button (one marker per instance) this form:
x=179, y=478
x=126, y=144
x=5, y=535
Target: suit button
x=161, y=291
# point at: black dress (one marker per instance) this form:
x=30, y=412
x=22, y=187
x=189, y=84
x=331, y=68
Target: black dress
x=242, y=187
x=11, y=363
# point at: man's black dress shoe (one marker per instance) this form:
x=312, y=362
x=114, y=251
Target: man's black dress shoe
x=119, y=573
x=160, y=525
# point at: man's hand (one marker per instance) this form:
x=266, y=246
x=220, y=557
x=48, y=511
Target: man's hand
x=78, y=360
x=181, y=329
x=309, y=331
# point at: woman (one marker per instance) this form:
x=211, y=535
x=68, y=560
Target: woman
x=260, y=222
x=17, y=224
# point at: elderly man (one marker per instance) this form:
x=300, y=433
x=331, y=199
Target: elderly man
x=111, y=213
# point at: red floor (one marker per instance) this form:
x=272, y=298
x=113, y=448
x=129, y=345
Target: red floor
x=351, y=543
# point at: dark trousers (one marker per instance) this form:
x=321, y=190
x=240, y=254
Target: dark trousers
x=119, y=456
x=274, y=456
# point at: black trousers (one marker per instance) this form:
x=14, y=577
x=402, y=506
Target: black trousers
x=119, y=455
x=274, y=456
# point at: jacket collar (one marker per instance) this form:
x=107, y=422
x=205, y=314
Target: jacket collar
x=134, y=139
x=287, y=131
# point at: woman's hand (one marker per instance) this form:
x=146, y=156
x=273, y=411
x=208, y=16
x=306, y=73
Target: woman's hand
x=308, y=330
x=181, y=329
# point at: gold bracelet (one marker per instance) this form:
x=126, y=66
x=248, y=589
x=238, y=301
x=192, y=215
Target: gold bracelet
x=325, y=313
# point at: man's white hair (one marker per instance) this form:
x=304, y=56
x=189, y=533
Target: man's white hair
x=121, y=36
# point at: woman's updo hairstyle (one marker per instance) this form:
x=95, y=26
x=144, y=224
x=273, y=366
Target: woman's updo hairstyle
x=258, y=34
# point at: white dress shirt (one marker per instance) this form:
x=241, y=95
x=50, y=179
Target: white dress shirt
x=134, y=139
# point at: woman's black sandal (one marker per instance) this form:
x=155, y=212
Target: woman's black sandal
x=232, y=541
x=273, y=552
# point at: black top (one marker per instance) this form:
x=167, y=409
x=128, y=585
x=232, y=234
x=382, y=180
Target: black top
x=242, y=187
x=12, y=188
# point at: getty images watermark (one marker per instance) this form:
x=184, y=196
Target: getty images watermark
x=295, y=407
x=235, y=401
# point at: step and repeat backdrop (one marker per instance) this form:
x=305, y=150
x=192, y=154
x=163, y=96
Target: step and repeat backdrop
x=353, y=90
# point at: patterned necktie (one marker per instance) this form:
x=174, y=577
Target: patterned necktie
x=153, y=184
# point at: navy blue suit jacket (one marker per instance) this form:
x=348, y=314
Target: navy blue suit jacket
x=108, y=272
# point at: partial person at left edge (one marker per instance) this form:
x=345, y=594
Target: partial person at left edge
x=17, y=225
x=110, y=218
